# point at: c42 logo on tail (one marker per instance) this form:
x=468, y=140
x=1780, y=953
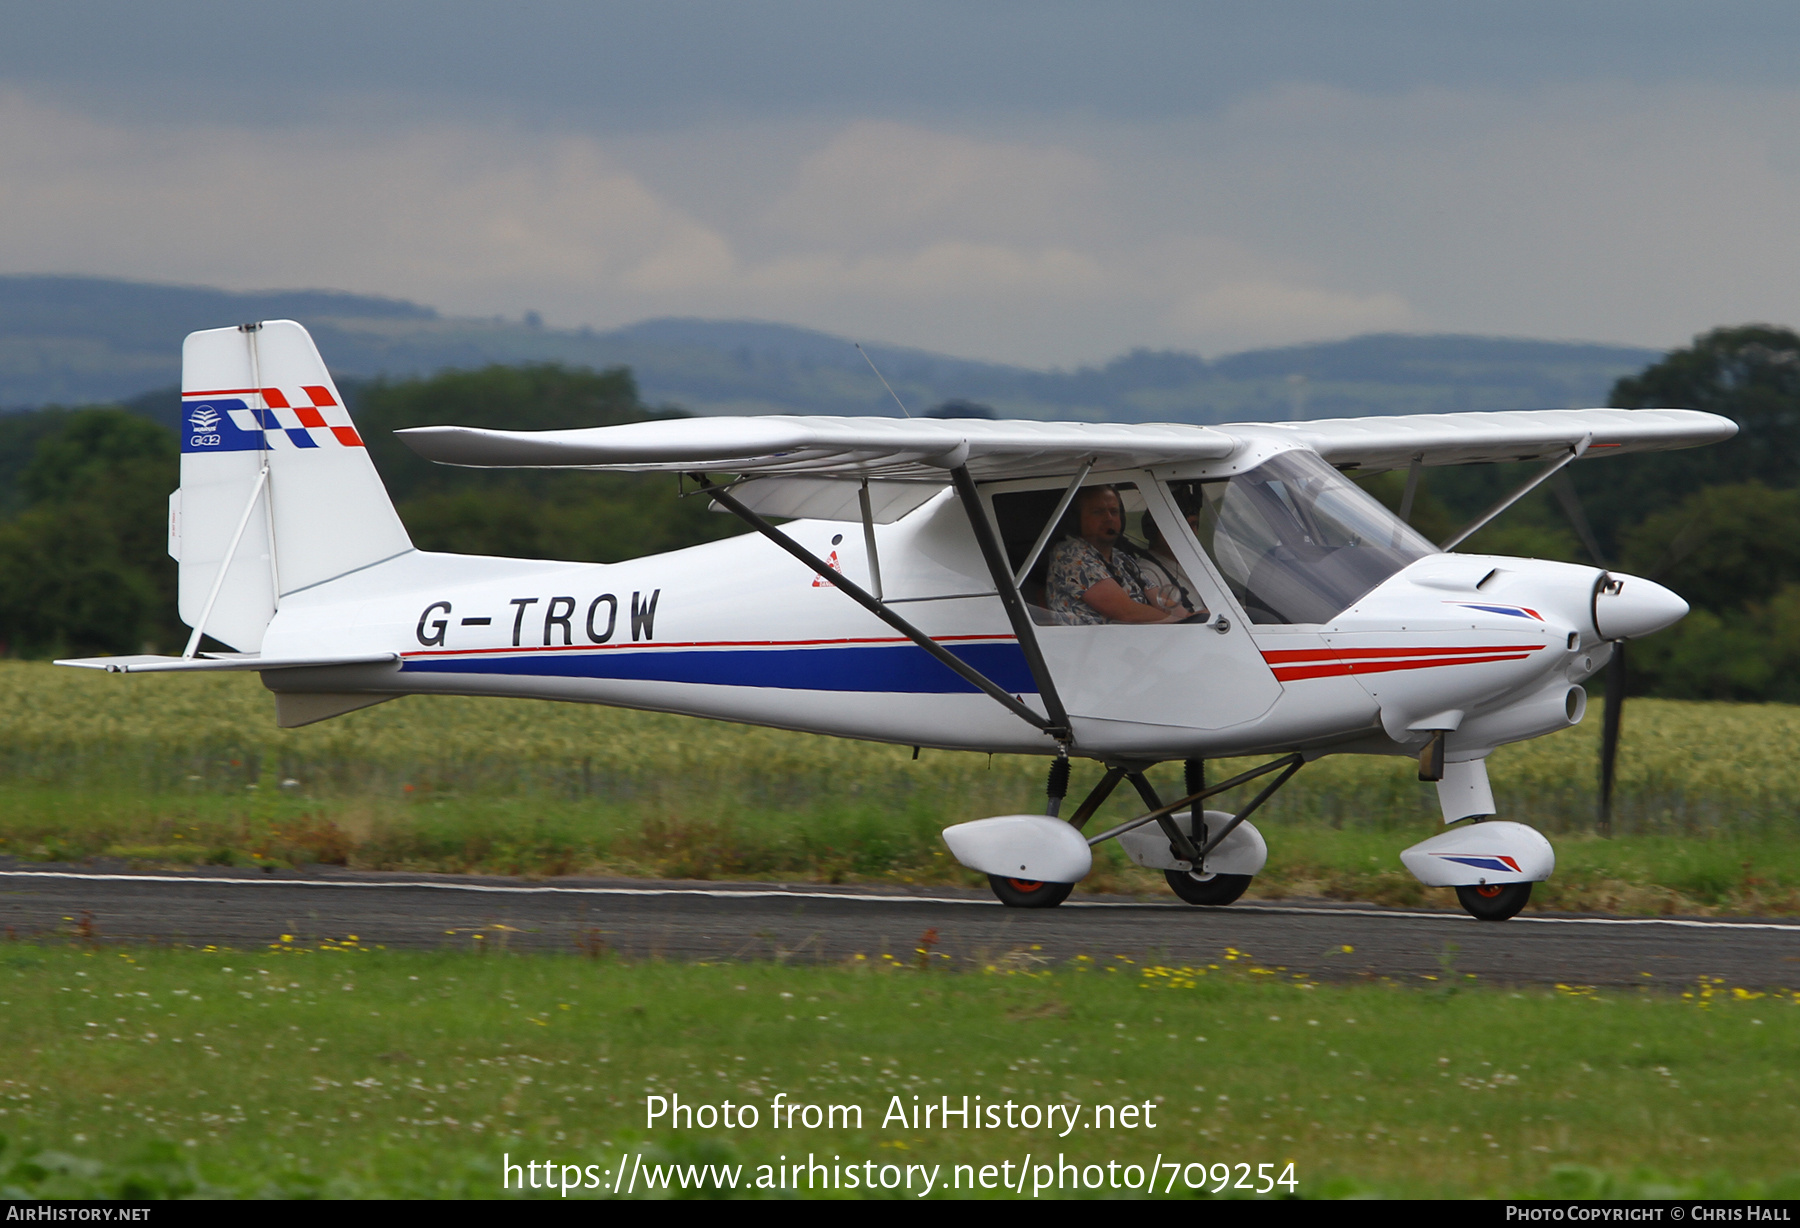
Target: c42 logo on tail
x=302, y=419
x=205, y=421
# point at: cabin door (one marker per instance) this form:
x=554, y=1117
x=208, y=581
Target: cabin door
x=1185, y=673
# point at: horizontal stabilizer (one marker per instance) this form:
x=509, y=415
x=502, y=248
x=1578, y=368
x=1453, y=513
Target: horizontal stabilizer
x=148, y=664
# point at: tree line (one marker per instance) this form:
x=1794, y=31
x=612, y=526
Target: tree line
x=84, y=565
x=1719, y=525
x=83, y=493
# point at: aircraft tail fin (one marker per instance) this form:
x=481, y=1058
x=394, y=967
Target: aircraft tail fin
x=277, y=490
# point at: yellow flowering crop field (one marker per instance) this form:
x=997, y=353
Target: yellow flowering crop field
x=158, y=769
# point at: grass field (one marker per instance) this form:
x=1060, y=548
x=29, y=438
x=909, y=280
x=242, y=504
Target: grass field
x=357, y=1073
x=189, y=770
x=351, y=1072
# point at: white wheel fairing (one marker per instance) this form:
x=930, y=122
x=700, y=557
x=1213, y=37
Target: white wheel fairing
x=1244, y=851
x=1031, y=847
x=1482, y=854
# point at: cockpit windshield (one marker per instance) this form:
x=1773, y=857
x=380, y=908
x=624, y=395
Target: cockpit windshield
x=1296, y=540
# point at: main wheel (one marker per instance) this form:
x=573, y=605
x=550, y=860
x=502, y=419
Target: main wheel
x=1029, y=893
x=1494, y=901
x=1214, y=890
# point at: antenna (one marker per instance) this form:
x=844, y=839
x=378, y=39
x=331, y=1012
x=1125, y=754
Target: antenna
x=881, y=377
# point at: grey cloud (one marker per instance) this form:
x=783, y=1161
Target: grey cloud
x=613, y=66
x=1038, y=184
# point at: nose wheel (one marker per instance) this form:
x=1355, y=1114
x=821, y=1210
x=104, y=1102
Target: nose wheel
x=1494, y=901
x=1029, y=893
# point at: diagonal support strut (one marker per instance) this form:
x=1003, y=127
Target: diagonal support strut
x=1576, y=452
x=1179, y=843
x=950, y=660
x=1023, y=629
x=1287, y=764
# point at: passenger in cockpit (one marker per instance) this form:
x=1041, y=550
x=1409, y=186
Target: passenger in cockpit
x=1162, y=572
x=1093, y=580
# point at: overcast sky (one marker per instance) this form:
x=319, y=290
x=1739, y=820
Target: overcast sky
x=1047, y=184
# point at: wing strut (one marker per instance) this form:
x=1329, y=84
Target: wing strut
x=1574, y=453
x=1014, y=604
x=1062, y=505
x=950, y=660
x=868, y=519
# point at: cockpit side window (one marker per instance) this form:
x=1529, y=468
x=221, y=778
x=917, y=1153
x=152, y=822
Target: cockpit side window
x=1296, y=541
x=1086, y=574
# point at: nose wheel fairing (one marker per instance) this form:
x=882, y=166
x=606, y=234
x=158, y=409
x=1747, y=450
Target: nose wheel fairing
x=1482, y=855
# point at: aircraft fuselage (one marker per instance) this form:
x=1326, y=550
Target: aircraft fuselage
x=1487, y=649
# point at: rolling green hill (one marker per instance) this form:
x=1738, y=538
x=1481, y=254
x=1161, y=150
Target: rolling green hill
x=76, y=340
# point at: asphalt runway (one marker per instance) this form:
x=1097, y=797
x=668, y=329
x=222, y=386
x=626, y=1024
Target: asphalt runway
x=761, y=921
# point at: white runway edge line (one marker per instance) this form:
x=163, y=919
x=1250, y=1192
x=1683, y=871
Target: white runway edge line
x=752, y=894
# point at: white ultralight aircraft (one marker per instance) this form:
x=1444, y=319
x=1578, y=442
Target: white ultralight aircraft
x=928, y=589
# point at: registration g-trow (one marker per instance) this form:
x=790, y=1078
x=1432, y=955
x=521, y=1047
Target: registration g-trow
x=945, y=583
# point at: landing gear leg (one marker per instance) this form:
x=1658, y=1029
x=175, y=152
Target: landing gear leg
x=1097, y=797
x=1207, y=890
x=1193, y=886
x=1203, y=888
x=1057, y=787
x=1029, y=893
x=1193, y=774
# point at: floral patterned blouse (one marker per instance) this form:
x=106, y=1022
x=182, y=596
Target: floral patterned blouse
x=1076, y=565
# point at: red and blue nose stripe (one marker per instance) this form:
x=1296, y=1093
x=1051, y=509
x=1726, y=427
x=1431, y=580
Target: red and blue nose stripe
x=1484, y=861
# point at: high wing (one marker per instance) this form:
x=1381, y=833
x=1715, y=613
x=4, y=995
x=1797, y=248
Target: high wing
x=894, y=449
x=833, y=450
x=1510, y=435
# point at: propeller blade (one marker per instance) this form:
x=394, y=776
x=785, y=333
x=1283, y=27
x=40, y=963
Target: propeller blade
x=1615, y=668
x=1609, y=733
x=1571, y=502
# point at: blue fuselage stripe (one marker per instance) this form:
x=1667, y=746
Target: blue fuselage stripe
x=901, y=668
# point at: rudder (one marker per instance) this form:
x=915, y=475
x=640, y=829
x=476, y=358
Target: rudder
x=278, y=493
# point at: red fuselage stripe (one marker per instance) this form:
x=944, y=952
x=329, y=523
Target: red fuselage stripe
x=1282, y=656
x=1331, y=669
